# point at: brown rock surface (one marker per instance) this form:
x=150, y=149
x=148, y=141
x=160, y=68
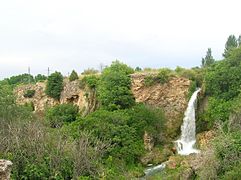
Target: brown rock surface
x=170, y=96
x=5, y=169
x=40, y=100
x=84, y=97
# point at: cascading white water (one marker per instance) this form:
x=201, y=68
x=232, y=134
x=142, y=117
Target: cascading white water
x=188, y=137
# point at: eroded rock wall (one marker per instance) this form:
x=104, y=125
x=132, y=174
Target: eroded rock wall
x=83, y=97
x=170, y=96
x=40, y=100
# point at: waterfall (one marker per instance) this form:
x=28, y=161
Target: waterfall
x=188, y=136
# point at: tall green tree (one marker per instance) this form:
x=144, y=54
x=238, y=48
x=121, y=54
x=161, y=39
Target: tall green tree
x=115, y=87
x=231, y=44
x=73, y=76
x=40, y=78
x=54, y=85
x=208, y=60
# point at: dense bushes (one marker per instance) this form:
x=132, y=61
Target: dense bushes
x=54, y=85
x=73, y=76
x=223, y=79
x=161, y=77
x=114, y=89
x=20, y=79
x=60, y=114
x=38, y=153
x=90, y=80
x=40, y=78
x=222, y=85
x=29, y=93
x=124, y=129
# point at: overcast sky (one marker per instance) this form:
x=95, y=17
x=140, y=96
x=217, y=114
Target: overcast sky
x=78, y=34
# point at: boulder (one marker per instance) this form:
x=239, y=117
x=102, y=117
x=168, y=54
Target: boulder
x=5, y=169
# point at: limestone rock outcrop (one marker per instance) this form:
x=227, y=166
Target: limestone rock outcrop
x=83, y=97
x=170, y=96
x=40, y=100
x=5, y=169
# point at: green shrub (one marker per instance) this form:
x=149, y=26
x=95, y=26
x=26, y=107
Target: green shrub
x=114, y=91
x=73, y=76
x=223, y=79
x=192, y=89
x=9, y=109
x=60, y=114
x=218, y=111
x=228, y=151
x=138, y=69
x=146, y=118
x=29, y=93
x=38, y=153
x=149, y=81
x=124, y=129
x=40, y=78
x=54, y=85
x=91, y=81
x=90, y=71
x=164, y=75
x=20, y=79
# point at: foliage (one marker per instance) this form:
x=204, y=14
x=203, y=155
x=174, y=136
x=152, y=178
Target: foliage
x=192, y=89
x=124, y=129
x=91, y=81
x=194, y=74
x=150, y=80
x=138, y=69
x=29, y=93
x=20, y=79
x=147, y=118
x=114, y=89
x=90, y=71
x=228, y=151
x=40, y=78
x=223, y=80
x=38, y=153
x=218, y=110
x=54, y=85
x=164, y=75
x=208, y=60
x=9, y=110
x=73, y=76
x=60, y=114
x=161, y=77
x=230, y=45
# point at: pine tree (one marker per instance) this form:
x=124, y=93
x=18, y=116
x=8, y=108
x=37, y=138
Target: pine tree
x=231, y=44
x=208, y=60
x=73, y=76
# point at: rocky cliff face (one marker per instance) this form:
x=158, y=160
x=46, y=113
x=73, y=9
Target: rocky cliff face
x=83, y=97
x=171, y=96
x=40, y=100
x=5, y=169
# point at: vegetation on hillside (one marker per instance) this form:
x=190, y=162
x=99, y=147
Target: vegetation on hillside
x=108, y=143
